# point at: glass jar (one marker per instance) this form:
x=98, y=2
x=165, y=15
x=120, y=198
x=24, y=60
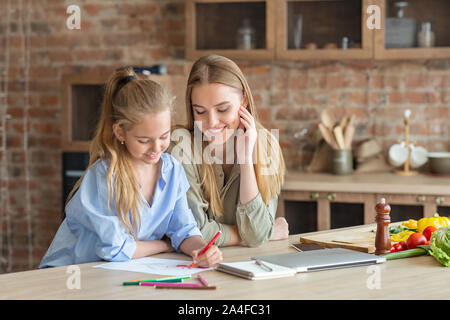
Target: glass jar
x=246, y=36
x=425, y=37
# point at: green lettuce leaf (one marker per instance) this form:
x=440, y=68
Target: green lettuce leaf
x=440, y=245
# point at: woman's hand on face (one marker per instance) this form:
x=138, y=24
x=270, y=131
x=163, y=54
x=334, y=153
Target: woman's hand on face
x=246, y=137
x=210, y=258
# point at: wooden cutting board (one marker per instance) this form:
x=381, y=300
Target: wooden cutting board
x=362, y=239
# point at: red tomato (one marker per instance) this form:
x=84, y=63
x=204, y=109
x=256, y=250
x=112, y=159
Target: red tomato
x=404, y=246
x=416, y=239
x=428, y=231
x=398, y=247
x=392, y=249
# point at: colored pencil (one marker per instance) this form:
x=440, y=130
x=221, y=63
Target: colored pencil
x=168, y=284
x=190, y=288
x=165, y=279
x=203, y=280
x=207, y=246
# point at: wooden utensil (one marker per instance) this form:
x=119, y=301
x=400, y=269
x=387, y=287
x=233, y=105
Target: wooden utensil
x=327, y=118
x=344, y=123
x=349, y=133
x=328, y=136
x=339, y=137
x=348, y=137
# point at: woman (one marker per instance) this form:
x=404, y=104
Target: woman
x=234, y=166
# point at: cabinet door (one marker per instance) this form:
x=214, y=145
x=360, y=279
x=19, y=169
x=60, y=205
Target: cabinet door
x=301, y=216
x=299, y=208
x=316, y=30
x=82, y=98
x=232, y=28
x=417, y=12
x=442, y=205
x=349, y=209
x=403, y=212
x=406, y=206
x=331, y=210
x=443, y=211
x=344, y=214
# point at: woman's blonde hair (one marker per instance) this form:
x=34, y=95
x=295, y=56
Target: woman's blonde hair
x=217, y=69
x=127, y=98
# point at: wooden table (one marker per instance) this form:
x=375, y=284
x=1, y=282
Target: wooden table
x=413, y=278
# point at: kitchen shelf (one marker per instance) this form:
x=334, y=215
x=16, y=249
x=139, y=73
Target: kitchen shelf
x=350, y=200
x=82, y=97
x=323, y=22
x=437, y=12
x=212, y=27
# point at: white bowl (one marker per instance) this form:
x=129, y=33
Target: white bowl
x=439, y=162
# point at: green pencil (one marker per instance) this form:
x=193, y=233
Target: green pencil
x=169, y=279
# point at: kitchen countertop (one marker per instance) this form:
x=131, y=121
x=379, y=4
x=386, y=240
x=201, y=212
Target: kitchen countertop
x=411, y=278
x=385, y=182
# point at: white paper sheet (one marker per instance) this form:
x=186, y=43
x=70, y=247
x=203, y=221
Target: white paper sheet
x=151, y=265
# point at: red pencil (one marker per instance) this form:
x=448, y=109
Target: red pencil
x=207, y=246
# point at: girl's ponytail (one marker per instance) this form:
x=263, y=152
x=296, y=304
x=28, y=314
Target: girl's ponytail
x=127, y=97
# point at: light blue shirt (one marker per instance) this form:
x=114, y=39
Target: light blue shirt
x=92, y=232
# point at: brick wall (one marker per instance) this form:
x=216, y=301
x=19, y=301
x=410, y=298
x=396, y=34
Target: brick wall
x=36, y=49
x=291, y=96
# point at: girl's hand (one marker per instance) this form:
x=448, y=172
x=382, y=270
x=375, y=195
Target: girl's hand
x=246, y=137
x=210, y=258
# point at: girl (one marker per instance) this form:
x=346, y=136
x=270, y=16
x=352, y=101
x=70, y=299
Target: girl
x=132, y=198
x=239, y=195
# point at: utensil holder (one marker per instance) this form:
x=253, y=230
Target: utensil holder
x=342, y=162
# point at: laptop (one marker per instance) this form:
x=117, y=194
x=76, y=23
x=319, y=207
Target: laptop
x=325, y=259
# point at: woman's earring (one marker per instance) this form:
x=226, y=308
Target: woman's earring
x=122, y=142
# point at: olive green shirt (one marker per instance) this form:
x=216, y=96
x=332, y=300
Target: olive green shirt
x=254, y=220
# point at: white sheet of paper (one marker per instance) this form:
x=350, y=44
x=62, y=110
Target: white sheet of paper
x=151, y=265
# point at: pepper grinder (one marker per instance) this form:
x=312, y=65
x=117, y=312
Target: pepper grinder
x=383, y=218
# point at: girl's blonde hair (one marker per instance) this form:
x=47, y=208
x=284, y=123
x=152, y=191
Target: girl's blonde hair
x=217, y=69
x=127, y=98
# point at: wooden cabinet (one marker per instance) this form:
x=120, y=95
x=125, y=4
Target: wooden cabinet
x=82, y=97
x=212, y=26
x=332, y=210
x=437, y=12
x=325, y=201
x=428, y=204
x=325, y=24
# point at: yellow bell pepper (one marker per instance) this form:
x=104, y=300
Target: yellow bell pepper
x=411, y=224
x=401, y=236
x=436, y=221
